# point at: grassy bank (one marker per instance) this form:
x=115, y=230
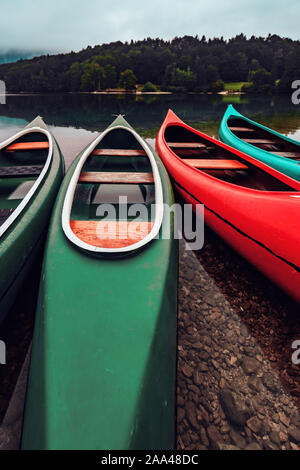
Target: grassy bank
x=235, y=86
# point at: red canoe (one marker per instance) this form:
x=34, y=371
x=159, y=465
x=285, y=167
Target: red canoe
x=253, y=207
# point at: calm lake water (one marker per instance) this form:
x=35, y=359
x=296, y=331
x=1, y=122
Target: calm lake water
x=235, y=328
x=74, y=118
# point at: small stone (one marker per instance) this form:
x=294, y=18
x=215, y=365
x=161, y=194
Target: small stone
x=222, y=383
x=283, y=419
x=225, y=429
x=214, y=436
x=202, y=415
x=294, y=434
x=254, y=424
x=187, y=370
x=180, y=399
x=269, y=445
x=192, y=414
x=197, y=345
x=180, y=414
x=274, y=436
x=194, y=389
x=254, y=383
x=207, y=298
x=227, y=447
x=294, y=446
x=283, y=436
x=237, y=439
x=201, y=447
x=196, y=377
x=234, y=407
x=253, y=446
x=232, y=360
x=244, y=331
x=203, y=367
x=295, y=420
x=215, y=364
x=203, y=437
x=250, y=365
x=269, y=382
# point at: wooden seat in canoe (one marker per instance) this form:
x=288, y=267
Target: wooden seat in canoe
x=27, y=146
x=287, y=154
x=120, y=152
x=262, y=141
x=20, y=171
x=116, y=177
x=186, y=145
x=241, y=129
x=110, y=234
x=207, y=164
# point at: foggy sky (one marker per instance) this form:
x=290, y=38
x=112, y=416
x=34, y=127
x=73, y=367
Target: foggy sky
x=64, y=25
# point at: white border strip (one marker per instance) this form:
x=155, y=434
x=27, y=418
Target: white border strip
x=66, y=212
x=38, y=181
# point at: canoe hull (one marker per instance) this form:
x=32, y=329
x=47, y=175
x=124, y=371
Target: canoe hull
x=103, y=363
x=18, y=244
x=262, y=226
x=289, y=167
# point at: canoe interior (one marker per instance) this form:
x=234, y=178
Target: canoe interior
x=118, y=167
x=263, y=139
x=19, y=169
x=224, y=165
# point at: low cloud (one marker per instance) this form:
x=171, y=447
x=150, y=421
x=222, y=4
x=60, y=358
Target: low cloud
x=64, y=25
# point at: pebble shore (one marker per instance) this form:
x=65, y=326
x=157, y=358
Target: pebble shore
x=236, y=385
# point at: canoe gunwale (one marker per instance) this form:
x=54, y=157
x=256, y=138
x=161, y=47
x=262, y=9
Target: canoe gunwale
x=25, y=201
x=68, y=201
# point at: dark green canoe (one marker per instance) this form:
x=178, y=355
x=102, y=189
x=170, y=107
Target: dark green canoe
x=258, y=141
x=31, y=170
x=102, y=373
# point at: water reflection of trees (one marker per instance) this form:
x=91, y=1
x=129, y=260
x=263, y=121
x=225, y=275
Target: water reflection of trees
x=95, y=111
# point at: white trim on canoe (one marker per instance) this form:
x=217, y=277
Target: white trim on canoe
x=19, y=209
x=67, y=207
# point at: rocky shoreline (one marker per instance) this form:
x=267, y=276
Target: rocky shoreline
x=229, y=392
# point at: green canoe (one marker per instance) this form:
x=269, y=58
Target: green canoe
x=268, y=146
x=31, y=170
x=102, y=373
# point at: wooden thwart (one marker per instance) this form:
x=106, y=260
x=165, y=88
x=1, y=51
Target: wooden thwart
x=262, y=141
x=110, y=234
x=120, y=152
x=20, y=171
x=27, y=146
x=241, y=129
x=115, y=177
x=186, y=145
x=287, y=154
x=207, y=164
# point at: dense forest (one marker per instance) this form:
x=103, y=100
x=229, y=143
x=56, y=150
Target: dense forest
x=187, y=64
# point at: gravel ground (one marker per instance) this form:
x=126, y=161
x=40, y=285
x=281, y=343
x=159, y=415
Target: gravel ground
x=236, y=385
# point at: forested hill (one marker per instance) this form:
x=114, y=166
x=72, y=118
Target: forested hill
x=183, y=64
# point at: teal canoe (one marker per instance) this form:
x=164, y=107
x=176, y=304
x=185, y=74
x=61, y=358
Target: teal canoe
x=31, y=170
x=268, y=146
x=102, y=372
